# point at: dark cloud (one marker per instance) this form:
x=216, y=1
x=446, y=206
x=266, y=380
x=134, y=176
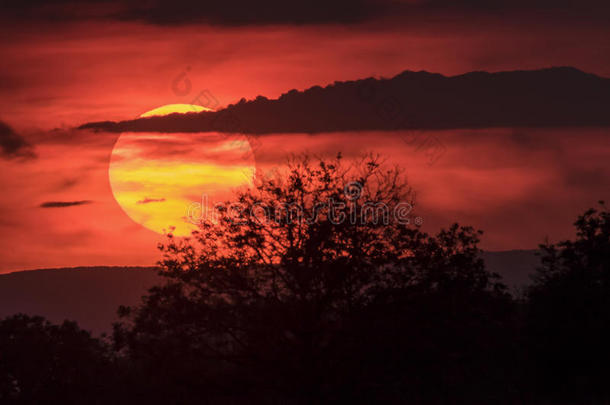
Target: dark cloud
x=248, y=12
x=63, y=204
x=150, y=200
x=67, y=184
x=554, y=97
x=242, y=12
x=12, y=144
x=228, y=12
x=587, y=178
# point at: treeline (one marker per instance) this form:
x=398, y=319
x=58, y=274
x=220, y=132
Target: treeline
x=295, y=312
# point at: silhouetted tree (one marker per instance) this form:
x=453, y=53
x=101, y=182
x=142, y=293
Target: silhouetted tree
x=569, y=313
x=298, y=291
x=43, y=363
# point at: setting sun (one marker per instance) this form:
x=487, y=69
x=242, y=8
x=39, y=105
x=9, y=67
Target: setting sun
x=173, y=109
x=159, y=178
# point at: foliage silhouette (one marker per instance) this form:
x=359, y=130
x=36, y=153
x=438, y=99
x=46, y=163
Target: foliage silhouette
x=276, y=306
x=45, y=363
x=569, y=313
x=302, y=304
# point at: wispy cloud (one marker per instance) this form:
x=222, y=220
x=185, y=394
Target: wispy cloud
x=64, y=204
x=150, y=200
x=12, y=144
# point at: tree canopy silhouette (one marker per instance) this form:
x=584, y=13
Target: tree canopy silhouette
x=569, y=312
x=316, y=285
x=45, y=363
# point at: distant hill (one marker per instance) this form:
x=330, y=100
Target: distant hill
x=91, y=295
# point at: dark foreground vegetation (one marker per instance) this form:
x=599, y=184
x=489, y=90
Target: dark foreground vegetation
x=282, y=309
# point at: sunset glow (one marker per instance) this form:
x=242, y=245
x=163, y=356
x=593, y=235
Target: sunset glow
x=519, y=184
x=304, y=202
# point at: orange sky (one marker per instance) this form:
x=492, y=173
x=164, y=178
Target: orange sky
x=80, y=72
x=517, y=185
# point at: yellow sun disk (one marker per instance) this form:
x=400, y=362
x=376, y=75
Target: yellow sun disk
x=156, y=188
x=175, y=108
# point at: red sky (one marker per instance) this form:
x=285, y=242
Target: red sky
x=518, y=185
